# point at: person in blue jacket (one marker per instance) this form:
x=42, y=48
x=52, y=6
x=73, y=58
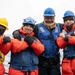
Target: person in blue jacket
x=47, y=32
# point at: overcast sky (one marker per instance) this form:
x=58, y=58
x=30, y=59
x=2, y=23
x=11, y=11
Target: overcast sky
x=16, y=10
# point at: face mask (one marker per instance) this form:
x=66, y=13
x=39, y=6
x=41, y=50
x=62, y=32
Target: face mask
x=2, y=31
x=69, y=27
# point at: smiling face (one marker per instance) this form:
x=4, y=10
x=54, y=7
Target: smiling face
x=28, y=28
x=69, y=22
x=49, y=19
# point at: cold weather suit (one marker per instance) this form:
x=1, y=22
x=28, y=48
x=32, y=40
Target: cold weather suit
x=49, y=60
x=2, y=58
x=68, y=44
x=3, y=28
x=24, y=58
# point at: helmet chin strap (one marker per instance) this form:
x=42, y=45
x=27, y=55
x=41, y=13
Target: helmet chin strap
x=49, y=26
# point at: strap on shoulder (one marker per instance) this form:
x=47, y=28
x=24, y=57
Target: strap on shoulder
x=36, y=31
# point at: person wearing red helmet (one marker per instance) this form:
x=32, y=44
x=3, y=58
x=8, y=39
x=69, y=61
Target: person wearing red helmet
x=66, y=41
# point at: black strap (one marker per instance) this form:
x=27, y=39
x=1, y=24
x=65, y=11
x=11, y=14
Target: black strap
x=36, y=31
x=61, y=26
x=26, y=73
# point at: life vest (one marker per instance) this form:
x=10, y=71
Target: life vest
x=48, y=38
x=69, y=51
x=25, y=60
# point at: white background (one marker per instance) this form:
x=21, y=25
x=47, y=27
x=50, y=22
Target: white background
x=16, y=10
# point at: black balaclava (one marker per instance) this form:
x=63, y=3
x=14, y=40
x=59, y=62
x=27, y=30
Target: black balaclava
x=2, y=30
x=69, y=27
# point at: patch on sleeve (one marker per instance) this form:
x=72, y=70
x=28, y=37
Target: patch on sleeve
x=41, y=28
x=64, y=31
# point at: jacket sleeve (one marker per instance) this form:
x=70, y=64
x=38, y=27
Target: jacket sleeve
x=38, y=47
x=61, y=42
x=71, y=40
x=1, y=40
x=17, y=46
x=5, y=48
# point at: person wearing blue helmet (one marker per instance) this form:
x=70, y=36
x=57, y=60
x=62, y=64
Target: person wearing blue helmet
x=47, y=32
x=25, y=61
x=66, y=41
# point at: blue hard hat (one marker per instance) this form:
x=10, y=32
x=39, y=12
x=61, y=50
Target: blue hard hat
x=29, y=20
x=68, y=13
x=49, y=12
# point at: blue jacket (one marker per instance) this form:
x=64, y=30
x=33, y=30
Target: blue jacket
x=69, y=51
x=48, y=38
x=26, y=60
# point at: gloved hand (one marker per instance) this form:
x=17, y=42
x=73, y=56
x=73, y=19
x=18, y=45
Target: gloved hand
x=29, y=39
x=6, y=39
x=73, y=34
x=66, y=38
x=16, y=35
